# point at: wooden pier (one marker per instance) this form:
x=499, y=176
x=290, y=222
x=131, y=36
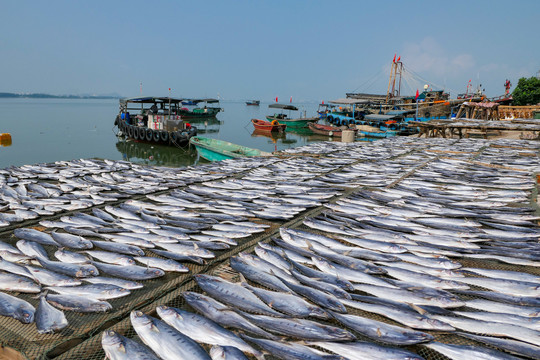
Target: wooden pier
x=465, y=127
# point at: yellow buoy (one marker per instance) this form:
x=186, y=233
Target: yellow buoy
x=5, y=139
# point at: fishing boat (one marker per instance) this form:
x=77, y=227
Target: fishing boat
x=154, y=120
x=301, y=122
x=253, y=102
x=264, y=125
x=203, y=109
x=327, y=130
x=217, y=150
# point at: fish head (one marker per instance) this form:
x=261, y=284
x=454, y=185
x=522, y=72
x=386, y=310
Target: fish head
x=156, y=272
x=138, y=318
x=111, y=339
x=165, y=311
x=24, y=315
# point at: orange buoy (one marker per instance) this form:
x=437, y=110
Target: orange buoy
x=5, y=139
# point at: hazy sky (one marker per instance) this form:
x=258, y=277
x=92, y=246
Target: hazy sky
x=310, y=50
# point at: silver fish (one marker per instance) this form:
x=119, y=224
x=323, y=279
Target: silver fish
x=13, y=282
x=165, y=341
x=78, y=303
x=512, y=346
x=72, y=241
x=14, y=268
x=16, y=308
x=32, y=249
x=51, y=278
x=495, y=306
x=203, y=330
x=74, y=270
x=71, y=257
x=510, y=287
x=382, y=332
x=221, y=314
x=35, y=235
x=468, y=352
x=291, y=350
x=163, y=264
x=408, y=318
x=111, y=258
x=492, y=328
x=126, y=284
x=218, y=352
x=233, y=294
x=48, y=318
x=119, y=248
x=118, y=347
x=131, y=272
x=360, y=350
x=94, y=291
x=300, y=328
x=288, y=303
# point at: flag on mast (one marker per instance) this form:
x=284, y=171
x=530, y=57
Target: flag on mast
x=276, y=98
x=394, y=58
x=417, y=94
x=291, y=100
x=399, y=58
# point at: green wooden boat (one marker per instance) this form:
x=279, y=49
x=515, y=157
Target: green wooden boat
x=217, y=150
x=301, y=122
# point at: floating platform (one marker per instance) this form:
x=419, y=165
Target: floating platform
x=305, y=186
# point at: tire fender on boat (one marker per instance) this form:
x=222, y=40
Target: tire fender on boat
x=164, y=136
x=148, y=134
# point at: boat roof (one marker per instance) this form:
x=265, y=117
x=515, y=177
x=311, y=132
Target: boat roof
x=150, y=100
x=380, y=117
x=283, y=106
x=349, y=101
x=210, y=101
x=399, y=112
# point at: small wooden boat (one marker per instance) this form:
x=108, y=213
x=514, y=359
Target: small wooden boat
x=263, y=125
x=326, y=130
x=253, y=102
x=216, y=150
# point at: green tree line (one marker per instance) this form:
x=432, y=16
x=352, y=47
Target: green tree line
x=527, y=92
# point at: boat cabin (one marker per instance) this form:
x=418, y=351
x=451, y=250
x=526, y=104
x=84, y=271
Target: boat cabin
x=157, y=113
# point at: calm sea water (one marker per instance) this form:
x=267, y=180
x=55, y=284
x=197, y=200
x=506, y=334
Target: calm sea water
x=49, y=130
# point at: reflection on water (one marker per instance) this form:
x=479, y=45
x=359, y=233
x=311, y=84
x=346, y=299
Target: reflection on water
x=157, y=155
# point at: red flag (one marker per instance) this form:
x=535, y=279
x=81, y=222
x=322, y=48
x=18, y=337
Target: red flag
x=399, y=58
x=416, y=98
x=323, y=102
x=394, y=58
x=276, y=98
x=291, y=100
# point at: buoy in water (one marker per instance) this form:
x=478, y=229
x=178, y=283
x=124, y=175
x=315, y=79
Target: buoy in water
x=5, y=139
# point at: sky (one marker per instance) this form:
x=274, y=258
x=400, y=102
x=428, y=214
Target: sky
x=255, y=49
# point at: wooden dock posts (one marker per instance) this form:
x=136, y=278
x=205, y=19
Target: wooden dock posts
x=480, y=119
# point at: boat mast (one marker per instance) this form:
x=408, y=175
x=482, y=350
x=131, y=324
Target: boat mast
x=397, y=68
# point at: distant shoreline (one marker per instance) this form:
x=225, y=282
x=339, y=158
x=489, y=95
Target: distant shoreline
x=49, y=96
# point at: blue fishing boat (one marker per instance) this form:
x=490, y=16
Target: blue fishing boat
x=217, y=150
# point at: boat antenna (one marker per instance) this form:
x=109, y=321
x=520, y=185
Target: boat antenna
x=169, y=103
